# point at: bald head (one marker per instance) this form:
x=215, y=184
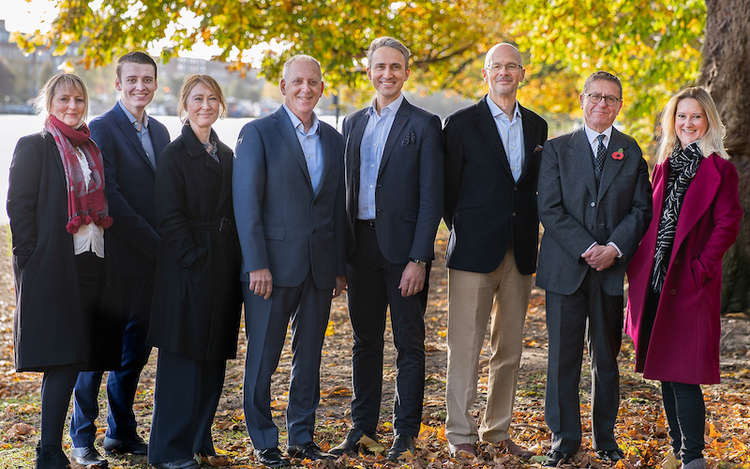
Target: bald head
x=506, y=49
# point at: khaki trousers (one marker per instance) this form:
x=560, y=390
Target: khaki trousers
x=474, y=298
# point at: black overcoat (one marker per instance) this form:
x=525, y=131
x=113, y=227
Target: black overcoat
x=50, y=329
x=197, y=298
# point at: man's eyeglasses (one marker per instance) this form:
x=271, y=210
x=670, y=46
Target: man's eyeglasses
x=596, y=98
x=511, y=67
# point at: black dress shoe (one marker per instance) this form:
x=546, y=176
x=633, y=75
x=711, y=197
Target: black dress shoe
x=401, y=445
x=51, y=458
x=554, y=457
x=357, y=441
x=308, y=451
x=612, y=455
x=179, y=464
x=114, y=446
x=271, y=457
x=88, y=457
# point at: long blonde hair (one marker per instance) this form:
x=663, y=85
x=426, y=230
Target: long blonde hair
x=711, y=142
x=61, y=80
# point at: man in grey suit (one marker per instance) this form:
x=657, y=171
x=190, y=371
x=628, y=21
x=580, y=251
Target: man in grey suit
x=288, y=189
x=595, y=204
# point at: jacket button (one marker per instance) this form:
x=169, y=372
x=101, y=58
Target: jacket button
x=514, y=214
x=673, y=292
x=515, y=189
x=593, y=204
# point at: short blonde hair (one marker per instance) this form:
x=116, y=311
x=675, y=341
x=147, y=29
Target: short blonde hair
x=711, y=142
x=59, y=81
x=187, y=86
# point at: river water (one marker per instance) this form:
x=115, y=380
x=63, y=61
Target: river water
x=13, y=127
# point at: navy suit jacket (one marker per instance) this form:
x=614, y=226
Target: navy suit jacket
x=129, y=178
x=282, y=224
x=409, y=191
x=577, y=212
x=486, y=210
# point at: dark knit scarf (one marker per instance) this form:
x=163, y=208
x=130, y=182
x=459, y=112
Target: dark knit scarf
x=86, y=203
x=683, y=164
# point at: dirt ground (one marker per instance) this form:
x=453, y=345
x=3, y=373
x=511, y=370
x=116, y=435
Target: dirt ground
x=641, y=428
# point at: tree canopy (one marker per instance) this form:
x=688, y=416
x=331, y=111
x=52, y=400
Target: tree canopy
x=654, y=46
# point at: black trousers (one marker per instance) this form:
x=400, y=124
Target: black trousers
x=185, y=401
x=686, y=415
x=58, y=382
x=568, y=318
x=372, y=287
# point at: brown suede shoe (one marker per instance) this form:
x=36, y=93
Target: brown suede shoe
x=514, y=449
x=467, y=448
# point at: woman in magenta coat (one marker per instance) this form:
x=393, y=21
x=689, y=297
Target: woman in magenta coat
x=675, y=275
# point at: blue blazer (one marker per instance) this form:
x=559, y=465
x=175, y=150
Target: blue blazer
x=409, y=192
x=129, y=181
x=282, y=224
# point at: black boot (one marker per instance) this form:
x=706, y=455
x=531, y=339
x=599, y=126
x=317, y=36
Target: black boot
x=51, y=458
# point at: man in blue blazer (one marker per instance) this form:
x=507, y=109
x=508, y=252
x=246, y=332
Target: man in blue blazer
x=130, y=142
x=288, y=189
x=394, y=182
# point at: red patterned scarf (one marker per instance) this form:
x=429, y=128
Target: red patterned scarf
x=86, y=204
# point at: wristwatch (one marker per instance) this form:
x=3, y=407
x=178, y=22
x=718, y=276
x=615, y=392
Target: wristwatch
x=418, y=261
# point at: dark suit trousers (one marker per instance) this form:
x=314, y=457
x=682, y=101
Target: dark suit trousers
x=567, y=318
x=122, y=383
x=372, y=287
x=185, y=400
x=266, y=325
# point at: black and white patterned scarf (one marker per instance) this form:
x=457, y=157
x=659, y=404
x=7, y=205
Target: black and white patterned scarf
x=683, y=164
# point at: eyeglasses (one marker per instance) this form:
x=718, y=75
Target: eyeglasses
x=511, y=67
x=596, y=98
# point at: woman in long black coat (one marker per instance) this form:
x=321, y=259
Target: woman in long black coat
x=197, y=298
x=58, y=215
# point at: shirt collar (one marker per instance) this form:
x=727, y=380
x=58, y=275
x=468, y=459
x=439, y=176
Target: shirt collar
x=132, y=118
x=495, y=109
x=592, y=134
x=391, y=108
x=296, y=122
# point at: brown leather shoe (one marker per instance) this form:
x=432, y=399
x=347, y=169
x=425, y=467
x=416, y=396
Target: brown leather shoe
x=514, y=449
x=468, y=448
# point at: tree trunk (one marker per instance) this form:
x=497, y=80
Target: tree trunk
x=726, y=74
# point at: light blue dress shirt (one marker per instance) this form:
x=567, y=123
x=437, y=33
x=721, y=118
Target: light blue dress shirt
x=141, y=128
x=312, y=148
x=511, y=134
x=371, y=152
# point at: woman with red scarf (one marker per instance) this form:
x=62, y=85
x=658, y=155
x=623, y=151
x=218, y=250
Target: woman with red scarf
x=58, y=214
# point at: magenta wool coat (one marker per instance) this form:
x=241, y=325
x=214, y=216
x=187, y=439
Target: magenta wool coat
x=684, y=342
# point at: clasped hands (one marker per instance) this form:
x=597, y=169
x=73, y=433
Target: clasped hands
x=600, y=257
x=261, y=283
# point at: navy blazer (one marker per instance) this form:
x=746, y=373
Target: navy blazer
x=282, y=224
x=577, y=212
x=485, y=208
x=129, y=178
x=409, y=191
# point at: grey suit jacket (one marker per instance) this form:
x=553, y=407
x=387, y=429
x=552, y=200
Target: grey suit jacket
x=281, y=223
x=576, y=211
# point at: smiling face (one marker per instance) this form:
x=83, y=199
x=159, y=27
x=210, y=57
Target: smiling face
x=690, y=122
x=387, y=71
x=503, y=71
x=599, y=116
x=302, y=87
x=202, y=106
x=136, y=84
x=69, y=105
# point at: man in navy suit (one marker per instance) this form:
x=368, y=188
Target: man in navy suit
x=130, y=142
x=288, y=189
x=394, y=188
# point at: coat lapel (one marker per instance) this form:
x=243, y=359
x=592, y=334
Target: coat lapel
x=289, y=137
x=611, y=165
x=698, y=199
x=529, y=140
x=584, y=166
x=402, y=117
x=486, y=124
x=129, y=131
x=326, y=142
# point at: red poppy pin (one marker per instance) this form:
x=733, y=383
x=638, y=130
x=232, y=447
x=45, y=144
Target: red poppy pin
x=618, y=155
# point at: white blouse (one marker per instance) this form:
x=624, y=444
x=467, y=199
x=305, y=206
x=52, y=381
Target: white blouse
x=89, y=237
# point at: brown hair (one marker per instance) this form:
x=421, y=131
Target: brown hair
x=135, y=57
